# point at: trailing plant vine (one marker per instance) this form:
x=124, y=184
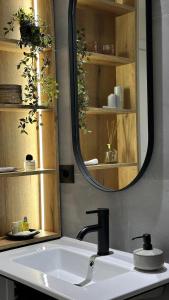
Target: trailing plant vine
x=83, y=98
x=33, y=34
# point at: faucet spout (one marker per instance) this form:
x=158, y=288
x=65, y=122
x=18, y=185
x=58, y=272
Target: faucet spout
x=85, y=230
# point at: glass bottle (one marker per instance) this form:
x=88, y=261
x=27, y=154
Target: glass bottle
x=110, y=155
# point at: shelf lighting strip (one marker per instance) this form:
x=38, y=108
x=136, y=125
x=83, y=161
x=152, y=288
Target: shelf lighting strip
x=42, y=192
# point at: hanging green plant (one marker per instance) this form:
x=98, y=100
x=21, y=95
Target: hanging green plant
x=83, y=98
x=34, y=36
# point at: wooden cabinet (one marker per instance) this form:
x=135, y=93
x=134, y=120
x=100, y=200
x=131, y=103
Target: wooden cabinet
x=112, y=23
x=34, y=194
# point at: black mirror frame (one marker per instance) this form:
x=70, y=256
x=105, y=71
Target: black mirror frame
x=74, y=102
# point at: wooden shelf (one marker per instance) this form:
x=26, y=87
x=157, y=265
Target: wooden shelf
x=43, y=236
x=11, y=45
x=111, y=166
x=107, y=60
x=19, y=107
x=108, y=111
x=106, y=5
x=28, y=173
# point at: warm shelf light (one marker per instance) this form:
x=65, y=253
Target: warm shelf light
x=42, y=192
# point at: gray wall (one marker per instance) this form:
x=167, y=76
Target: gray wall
x=145, y=206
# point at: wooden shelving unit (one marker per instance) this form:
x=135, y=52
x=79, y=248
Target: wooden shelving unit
x=34, y=194
x=106, y=5
x=107, y=60
x=107, y=22
x=108, y=111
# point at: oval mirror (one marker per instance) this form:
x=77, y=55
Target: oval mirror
x=111, y=89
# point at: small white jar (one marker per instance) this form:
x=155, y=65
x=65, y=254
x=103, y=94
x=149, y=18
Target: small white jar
x=29, y=163
x=112, y=101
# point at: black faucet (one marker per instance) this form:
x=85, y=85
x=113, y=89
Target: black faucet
x=102, y=228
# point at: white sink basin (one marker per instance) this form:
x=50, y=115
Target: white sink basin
x=69, y=266
x=56, y=268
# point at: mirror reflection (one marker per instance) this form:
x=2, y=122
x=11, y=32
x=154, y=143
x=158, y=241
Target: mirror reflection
x=112, y=89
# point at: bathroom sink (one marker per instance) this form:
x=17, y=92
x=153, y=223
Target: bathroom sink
x=70, y=266
x=68, y=269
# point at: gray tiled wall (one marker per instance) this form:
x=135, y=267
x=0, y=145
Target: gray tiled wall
x=145, y=206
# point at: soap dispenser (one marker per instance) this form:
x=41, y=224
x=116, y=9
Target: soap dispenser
x=148, y=258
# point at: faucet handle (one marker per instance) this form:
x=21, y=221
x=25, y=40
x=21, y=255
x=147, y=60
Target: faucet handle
x=97, y=211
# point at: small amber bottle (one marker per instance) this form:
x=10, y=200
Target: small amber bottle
x=25, y=224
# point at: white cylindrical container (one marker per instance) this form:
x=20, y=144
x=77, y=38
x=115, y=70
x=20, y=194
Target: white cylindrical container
x=148, y=258
x=119, y=92
x=15, y=227
x=112, y=101
x=29, y=163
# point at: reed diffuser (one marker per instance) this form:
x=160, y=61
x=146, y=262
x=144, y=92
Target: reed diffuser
x=111, y=152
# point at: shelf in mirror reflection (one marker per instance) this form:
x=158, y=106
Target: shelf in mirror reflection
x=105, y=111
x=110, y=166
x=106, y=5
x=107, y=60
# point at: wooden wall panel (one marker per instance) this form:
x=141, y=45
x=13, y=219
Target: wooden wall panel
x=51, y=203
x=126, y=77
x=89, y=142
x=13, y=145
x=45, y=11
x=125, y=35
x=126, y=176
x=94, y=144
x=19, y=198
x=100, y=82
x=107, y=178
x=127, y=138
x=99, y=26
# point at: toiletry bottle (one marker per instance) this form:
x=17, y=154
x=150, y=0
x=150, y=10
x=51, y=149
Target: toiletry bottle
x=112, y=101
x=29, y=163
x=14, y=227
x=148, y=258
x=110, y=155
x=25, y=224
x=17, y=227
x=119, y=92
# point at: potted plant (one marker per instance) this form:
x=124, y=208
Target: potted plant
x=33, y=36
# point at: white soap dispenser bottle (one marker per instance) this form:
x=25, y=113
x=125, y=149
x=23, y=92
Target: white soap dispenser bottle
x=148, y=258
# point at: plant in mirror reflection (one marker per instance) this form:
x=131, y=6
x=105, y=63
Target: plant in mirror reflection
x=33, y=36
x=83, y=97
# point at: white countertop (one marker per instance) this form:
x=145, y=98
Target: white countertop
x=125, y=286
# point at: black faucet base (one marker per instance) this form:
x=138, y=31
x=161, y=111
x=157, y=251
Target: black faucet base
x=105, y=254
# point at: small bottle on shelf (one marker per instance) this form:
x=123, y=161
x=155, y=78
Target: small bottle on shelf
x=119, y=92
x=29, y=163
x=25, y=224
x=110, y=155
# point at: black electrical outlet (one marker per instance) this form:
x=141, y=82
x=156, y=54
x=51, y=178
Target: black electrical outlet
x=66, y=173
